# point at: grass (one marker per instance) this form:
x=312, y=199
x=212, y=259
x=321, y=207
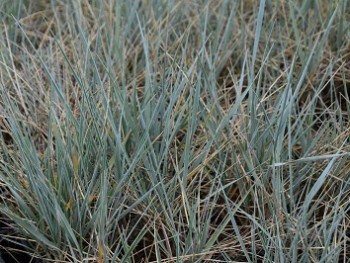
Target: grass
x=175, y=131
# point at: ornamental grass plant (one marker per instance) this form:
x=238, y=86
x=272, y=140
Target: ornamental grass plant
x=175, y=131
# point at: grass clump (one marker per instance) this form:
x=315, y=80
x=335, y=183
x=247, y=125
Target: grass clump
x=176, y=131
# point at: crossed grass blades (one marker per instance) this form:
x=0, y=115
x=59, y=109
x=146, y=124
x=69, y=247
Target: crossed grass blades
x=175, y=131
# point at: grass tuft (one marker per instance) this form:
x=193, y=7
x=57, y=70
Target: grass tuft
x=175, y=131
